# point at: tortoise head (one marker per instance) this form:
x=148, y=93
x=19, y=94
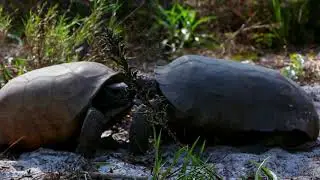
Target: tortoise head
x=114, y=93
x=118, y=94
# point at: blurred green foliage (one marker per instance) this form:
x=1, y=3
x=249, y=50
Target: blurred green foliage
x=292, y=17
x=180, y=24
x=57, y=31
x=14, y=67
x=52, y=37
x=295, y=70
x=5, y=23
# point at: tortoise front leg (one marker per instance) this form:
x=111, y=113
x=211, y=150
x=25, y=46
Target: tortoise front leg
x=92, y=128
x=140, y=131
x=90, y=132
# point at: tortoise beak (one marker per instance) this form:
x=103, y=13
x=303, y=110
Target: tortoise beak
x=118, y=86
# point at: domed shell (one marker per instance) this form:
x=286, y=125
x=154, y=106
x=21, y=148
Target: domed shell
x=223, y=94
x=44, y=105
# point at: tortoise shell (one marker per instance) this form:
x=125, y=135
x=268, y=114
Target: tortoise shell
x=227, y=96
x=45, y=106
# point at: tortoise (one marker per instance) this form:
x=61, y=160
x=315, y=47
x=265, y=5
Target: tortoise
x=62, y=106
x=227, y=102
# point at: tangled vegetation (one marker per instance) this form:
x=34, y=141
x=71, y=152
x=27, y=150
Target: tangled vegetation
x=55, y=31
x=50, y=37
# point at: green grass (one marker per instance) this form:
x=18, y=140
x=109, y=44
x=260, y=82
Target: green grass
x=263, y=172
x=48, y=37
x=5, y=23
x=189, y=164
x=52, y=37
x=180, y=24
x=11, y=67
x=291, y=17
x=192, y=167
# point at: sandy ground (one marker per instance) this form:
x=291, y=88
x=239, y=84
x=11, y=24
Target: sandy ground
x=228, y=162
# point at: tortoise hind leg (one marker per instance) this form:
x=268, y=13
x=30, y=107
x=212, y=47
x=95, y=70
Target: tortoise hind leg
x=92, y=128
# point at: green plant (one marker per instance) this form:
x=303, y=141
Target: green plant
x=192, y=167
x=92, y=24
x=9, y=67
x=47, y=37
x=12, y=68
x=53, y=38
x=262, y=169
x=180, y=24
x=291, y=17
x=158, y=160
x=295, y=69
x=264, y=39
x=5, y=23
x=282, y=29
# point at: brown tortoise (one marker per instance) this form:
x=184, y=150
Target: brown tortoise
x=55, y=105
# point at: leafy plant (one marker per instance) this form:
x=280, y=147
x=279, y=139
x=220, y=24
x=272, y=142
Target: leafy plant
x=180, y=24
x=92, y=23
x=5, y=23
x=12, y=68
x=54, y=38
x=9, y=67
x=264, y=39
x=47, y=37
x=192, y=167
x=290, y=16
x=295, y=69
x=265, y=171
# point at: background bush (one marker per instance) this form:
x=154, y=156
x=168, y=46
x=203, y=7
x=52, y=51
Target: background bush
x=57, y=31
